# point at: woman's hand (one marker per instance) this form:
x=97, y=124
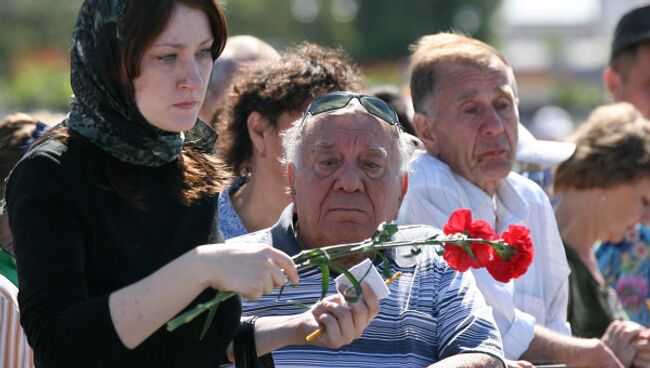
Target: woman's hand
x=248, y=269
x=342, y=322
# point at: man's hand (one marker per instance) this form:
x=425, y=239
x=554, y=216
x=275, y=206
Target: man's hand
x=342, y=322
x=621, y=337
x=519, y=364
x=642, y=347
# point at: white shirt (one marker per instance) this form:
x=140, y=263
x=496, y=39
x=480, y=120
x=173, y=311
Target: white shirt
x=14, y=349
x=541, y=295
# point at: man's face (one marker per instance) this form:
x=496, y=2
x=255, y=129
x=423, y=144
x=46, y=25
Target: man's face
x=475, y=119
x=348, y=181
x=633, y=83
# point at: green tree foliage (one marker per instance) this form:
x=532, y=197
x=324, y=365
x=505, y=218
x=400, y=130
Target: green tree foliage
x=33, y=24
x=34, y=42
x=367, y=29
x=371, y=31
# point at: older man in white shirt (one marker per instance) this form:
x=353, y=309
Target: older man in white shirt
x=465, y=100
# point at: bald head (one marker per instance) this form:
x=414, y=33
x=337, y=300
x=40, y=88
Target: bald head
x=239, y=51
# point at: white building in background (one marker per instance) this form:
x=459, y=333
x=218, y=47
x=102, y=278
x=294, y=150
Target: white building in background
x=551, y=42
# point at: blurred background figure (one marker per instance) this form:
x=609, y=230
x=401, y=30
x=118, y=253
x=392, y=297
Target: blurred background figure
x=17, y=133
x=400, y=103
x=542, y=147
x=626, y=265
x=551, y=123
x=240, y=51
x=262, y=103
x=628, y=73
x=603, y=190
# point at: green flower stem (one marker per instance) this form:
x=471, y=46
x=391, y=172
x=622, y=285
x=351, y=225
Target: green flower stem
x=196, y=311
x=319, y=257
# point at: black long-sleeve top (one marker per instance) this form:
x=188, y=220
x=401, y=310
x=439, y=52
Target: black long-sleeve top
x=76, y=242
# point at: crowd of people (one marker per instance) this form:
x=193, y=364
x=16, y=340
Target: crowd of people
x=131, y=211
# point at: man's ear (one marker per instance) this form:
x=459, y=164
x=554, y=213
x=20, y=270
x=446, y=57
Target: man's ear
x=613, y=81
x=291, y=177
x=424, y=129
x=257, y=128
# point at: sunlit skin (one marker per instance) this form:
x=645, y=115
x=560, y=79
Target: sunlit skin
x=606, y=214
x=632, y=83
x=624, y=205
x=348, y=181
x=473, y=122
x=274, y=143
x=175, y=71
x=260, y=201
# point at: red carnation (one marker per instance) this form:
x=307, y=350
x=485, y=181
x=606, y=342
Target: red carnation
x=459, y=257
x=519, y=255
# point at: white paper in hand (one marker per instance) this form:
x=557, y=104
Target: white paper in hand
x=373, y=279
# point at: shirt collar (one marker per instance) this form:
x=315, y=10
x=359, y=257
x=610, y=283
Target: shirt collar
x=511, y=207
x=283, y=232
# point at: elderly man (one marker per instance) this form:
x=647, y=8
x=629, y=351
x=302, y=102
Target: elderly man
x=346, y=160
x=262, y=103
x=465, y=101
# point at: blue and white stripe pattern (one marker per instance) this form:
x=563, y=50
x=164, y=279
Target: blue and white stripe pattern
x=433, y=312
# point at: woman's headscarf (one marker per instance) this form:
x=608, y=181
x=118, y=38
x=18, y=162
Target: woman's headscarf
x=102, y=109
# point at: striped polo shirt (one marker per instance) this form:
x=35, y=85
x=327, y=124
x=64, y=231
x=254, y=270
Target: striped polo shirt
x=433, y=311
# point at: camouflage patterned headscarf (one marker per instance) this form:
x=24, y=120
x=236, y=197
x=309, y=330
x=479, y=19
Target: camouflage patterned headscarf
x=102, y=110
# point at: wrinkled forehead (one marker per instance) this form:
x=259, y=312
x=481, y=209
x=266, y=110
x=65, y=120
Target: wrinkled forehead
x=351, y=125
x=491, y=70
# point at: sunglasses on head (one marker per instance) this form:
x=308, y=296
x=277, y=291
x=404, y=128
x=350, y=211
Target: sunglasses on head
x=338, y=100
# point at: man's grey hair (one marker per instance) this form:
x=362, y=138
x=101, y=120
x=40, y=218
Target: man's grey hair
x=293, y=138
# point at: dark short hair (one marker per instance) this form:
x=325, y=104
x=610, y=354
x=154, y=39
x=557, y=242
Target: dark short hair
x=271, y=88
x=396, y=99
x=145, y=20
x=612, y=147
x=627, y=57
x=632, y=29
x=16, y=131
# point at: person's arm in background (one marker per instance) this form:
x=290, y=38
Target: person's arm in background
x=550, y=346
x=470, y=360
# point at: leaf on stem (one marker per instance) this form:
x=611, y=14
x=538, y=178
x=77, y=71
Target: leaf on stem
x=355, y=283
x=325, y=282
x=208, y=321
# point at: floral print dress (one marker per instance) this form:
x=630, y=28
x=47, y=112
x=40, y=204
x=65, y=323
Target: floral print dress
x=626, y=267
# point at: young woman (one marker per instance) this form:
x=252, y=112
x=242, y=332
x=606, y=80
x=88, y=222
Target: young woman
x=111, y=211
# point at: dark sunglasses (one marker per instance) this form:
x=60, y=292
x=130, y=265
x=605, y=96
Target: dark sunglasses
x=338, y=100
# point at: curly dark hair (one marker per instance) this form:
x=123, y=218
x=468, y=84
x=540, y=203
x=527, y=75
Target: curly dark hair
x=271, y=88
x=612, y=147
x=15, y=132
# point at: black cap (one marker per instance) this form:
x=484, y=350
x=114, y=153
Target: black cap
x=633, y=28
